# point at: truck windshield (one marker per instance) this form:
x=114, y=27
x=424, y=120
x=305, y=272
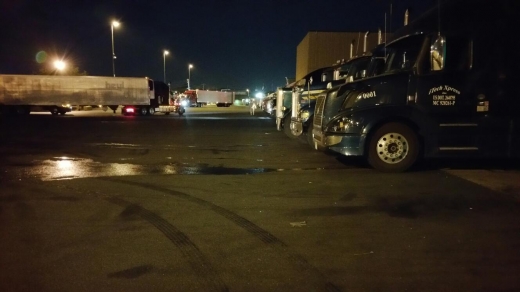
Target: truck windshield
x=402, y=54
x=342, y=71
x=358, y=68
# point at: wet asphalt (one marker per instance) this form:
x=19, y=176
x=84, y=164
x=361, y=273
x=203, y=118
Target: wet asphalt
x=218, y=200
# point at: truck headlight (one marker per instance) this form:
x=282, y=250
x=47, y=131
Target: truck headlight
x=184, y=103
x=304, y=115
x=342, y=125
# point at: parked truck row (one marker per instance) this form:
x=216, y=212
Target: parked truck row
x=446, y=85
x=21, y=94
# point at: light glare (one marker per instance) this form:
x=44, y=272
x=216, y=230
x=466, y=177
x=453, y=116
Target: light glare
x=60, y=65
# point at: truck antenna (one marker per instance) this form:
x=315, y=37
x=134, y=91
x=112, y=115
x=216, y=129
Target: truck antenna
x=439, y=16
x=385, y=28
x=390, y=24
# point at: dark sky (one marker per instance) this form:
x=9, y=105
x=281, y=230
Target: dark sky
x=234, y=44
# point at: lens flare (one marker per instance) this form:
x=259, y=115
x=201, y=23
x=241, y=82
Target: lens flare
x=41, y=57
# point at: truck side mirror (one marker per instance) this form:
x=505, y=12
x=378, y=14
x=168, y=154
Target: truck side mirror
x=437, y=52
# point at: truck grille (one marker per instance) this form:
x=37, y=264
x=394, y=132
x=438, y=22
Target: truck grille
x=318, y=110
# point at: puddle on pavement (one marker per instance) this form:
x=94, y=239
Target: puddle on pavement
x=60, y=168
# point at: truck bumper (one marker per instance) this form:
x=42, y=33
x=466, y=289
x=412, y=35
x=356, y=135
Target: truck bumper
x=348, y=145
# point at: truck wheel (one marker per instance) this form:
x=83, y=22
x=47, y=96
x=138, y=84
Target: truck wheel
x=287, y=127
x=181, y=111
x=310, y=140
x=151, y=111
x=54, y=111
x=143, y=111
x=394, y=147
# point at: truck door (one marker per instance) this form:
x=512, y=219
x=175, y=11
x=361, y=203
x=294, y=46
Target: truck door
x=456, y=94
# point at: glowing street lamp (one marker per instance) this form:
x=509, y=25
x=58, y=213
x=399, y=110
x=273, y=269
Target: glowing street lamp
x=59, y=65
x=189, y=74
x=114, y=24
x=164, y=62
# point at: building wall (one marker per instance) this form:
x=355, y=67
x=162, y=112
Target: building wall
x=322, y=49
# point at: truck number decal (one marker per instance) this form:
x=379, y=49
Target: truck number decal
x=366, y=95
x=443, y=95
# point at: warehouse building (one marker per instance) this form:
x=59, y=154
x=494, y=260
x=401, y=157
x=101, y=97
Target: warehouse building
x=321, y=49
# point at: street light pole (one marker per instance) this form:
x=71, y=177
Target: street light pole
x=189, y=75
x=164, y=57
x=114, y=24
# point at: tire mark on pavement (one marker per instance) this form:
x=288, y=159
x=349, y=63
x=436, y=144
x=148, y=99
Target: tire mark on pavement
x=301, y=263
x=196, y=259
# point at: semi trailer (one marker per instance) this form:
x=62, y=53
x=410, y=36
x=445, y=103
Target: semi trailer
x=23, y=94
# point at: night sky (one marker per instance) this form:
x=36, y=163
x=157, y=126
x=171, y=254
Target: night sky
x=235, y=44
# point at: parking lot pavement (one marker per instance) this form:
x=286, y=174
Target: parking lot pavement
x=504, y=181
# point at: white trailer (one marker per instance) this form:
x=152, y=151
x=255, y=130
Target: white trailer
x=22, y=94
x=220, y=98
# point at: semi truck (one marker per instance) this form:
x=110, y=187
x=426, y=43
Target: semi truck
x=198, y=98
x=448, y=88
x=306, y=90
x=21, y=94
x=190, y=99
x=353, y=69
x=290, y=99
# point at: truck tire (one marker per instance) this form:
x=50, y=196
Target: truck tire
x=394, y=147
x=143, y=111
x=287, y=127
x=54, y=111
x=181, y=111
x=308, y=134
x=151, y=111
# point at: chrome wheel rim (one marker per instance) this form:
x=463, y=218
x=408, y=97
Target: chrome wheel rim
x=392, y=148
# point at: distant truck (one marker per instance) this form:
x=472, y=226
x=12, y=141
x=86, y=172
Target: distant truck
x=199, y=98
x=22, y=94
x=191, y=98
